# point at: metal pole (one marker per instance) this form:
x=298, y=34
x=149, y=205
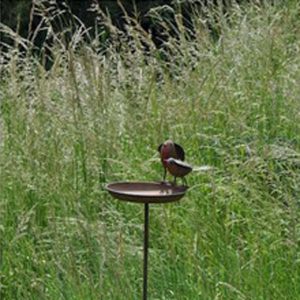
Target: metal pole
x=146, y=244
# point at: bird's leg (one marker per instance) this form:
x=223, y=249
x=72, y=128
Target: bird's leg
x=164, y=176
x=174, y=182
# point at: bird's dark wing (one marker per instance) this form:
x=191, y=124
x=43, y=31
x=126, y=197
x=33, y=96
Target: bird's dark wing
x=180, y=152
x=159, y=148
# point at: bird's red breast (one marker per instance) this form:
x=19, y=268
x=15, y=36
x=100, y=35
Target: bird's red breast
x=167, y=150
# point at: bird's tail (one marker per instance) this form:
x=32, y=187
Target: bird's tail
x=203, y=168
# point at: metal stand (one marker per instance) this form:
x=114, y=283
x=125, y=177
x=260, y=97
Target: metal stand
x=146, y=192
x=146, y=244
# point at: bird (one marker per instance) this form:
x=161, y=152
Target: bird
x=178, y=168
x=169, y=149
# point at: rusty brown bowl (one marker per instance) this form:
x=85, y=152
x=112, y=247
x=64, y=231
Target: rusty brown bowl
x=146, y=192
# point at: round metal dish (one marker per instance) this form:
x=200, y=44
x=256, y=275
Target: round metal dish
x=146, y=192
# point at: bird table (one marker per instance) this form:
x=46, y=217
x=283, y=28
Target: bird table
x=146, y=193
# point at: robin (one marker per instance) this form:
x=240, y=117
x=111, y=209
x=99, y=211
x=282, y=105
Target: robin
x=167, y=150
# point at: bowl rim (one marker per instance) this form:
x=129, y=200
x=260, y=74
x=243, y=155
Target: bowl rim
x=176, y=189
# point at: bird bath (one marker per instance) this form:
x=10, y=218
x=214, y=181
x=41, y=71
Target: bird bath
x=146, y=192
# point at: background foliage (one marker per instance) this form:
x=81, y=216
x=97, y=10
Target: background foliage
x=231, y=100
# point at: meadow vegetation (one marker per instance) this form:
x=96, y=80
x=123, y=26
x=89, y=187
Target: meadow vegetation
x=231, y=99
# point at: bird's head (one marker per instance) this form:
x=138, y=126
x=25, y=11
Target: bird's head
x=167, y=149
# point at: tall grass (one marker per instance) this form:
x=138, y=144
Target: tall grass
x=231, y=101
